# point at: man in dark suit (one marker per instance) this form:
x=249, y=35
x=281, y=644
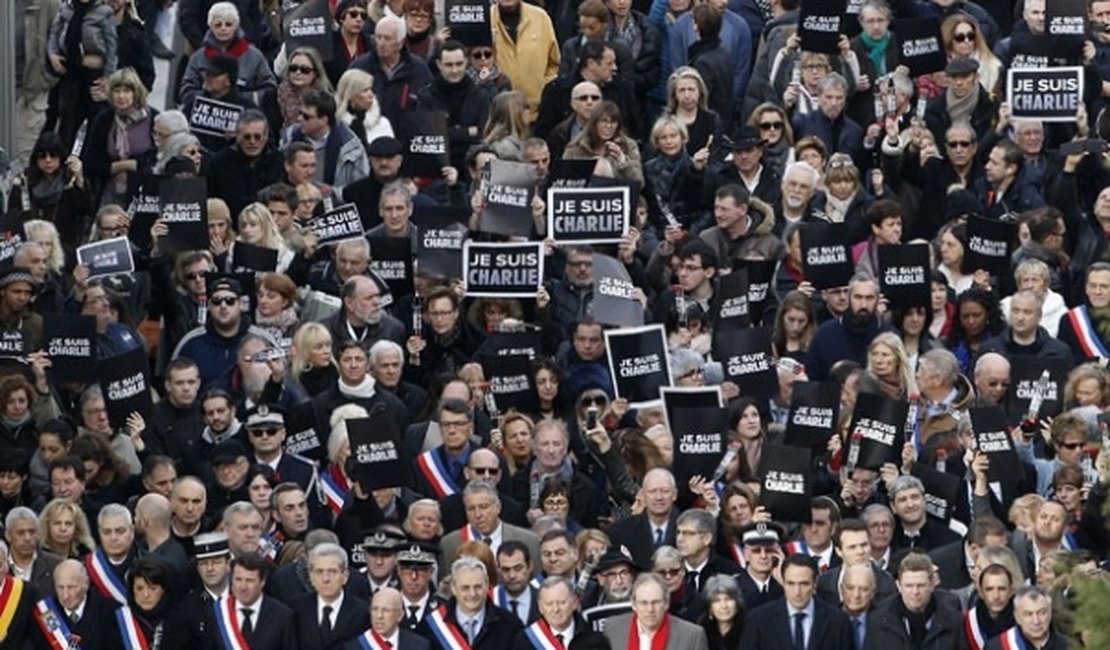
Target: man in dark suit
x=188, y=626
x=695, y=532
x=482, y=465
x=515, y=594
x=649, y=612
x=808, y=623
x=1033, y=612
x=655, y=526
x=84, y=612
x=483, y=515
x=761, y=548
x=469, y=613
x=265, y=623
x=853, y=547
x=386, y=614
x=416, y=568
x=558, y=605
x=953, y=559
x=28, y=561
x=857, y=597
x=329, y=618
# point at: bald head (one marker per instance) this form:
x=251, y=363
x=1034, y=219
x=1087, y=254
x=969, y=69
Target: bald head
x=71, y=584
x=583, y=98
x=153, y=511
x=992, y=377
x=386, y=611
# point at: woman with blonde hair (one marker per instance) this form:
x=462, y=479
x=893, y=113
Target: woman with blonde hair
x=844, y=200
x=221, y=231
x=358, y=107
x=887, y=359
x=603, y=136
x=46, y=235
x=687, y=100
x=120, y=141
x=517, y=430
x=313, y=364
x=1086, y=387
x=282, y=105
x=506, y=129
x=962, y=36
x=591, y=544
x=257, y=228
x=64, y=530
x=334, y=480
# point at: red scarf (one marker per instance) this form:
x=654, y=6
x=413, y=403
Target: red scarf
x=658, y=639
x=236, y=49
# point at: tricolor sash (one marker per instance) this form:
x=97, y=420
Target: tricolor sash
x=11, y=590
x=736, y=552
x=541, y=636
x=796, y=546
x=229, y=625
x=371, y=640
x=974, y=632
x=129, y=630
x=105, y=579
x=334, y=493
x=436, y=474
x=271, y=545
x=1012, y=639
x=53, y=626
x=449, y=635
x=1085, y=333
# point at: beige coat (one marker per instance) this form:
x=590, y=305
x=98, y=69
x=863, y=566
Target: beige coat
x=533, y=60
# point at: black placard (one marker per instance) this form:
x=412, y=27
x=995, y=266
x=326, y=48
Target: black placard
x=500, y=344
x=676, y=397
x=826, y=258
x=107, y=257
x=125, y=383
x=989, y=244
x=731, y=310
x=613, y=303
x=1046, y=94
x=391, y=259
x=301, y=436
x=904, y=274
x=819, y=25
x=814, y=413
x=13, y=344
x=992, y=437
x=761, y=274
x=184, y=203
x=638, y=363
x=503, y=270
x=248, y=257
x=439, y=241
x=746, y=358
x=880, y=424
x=11, y=236
x=787, y=482
x=1065, y=25
x=340, y=224
x=941, y=490
x=309, y=25
x=1024, y=373
x=569, y=173
x=507, y=189
x=511, y=382
x=1032, y=51
x=700, y=436
x=144, y=208
x=377, y=452
x=921, y=45
x=426, y=149
x=469, y=21
x=588, y=215
x=70, y=342
x=212, y=117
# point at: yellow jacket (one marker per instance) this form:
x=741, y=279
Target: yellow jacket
x=533, y=60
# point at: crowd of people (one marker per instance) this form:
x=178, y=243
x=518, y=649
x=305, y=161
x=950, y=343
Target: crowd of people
x=213, y=521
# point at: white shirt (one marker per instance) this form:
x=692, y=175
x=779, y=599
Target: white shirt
x=79, y=612
x=23, y=572
x=524, y=604
x=824, y=558
x=644, y=635
x=568, y=634
x=255, y=607
x=335, y=605
x=394, y=639
x=420, y=604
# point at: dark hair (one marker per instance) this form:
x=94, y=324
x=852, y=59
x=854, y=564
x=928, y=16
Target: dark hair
x=322, y=101
x=707, y=20
x=155, y=461
x=48, y=142
x=592, y=51
x=558, y=533
x=91, y=446
x=737, y=408
x=180, y=363
x=849, y=525
x=737, y=192
x=1011, y=154
x=800, y=559
x=252, y=562
x=882, y=209
x=12, y=384
x=442, y=292
x=554, y=487
x=279, y=193
x=68, y=461
x=456, y=406
x=296, y=147
x=987, y=300
x=1042, y=222
x=697, y=246
x=153, y=571
x=898, y=317
x=511, y=546
x=793, y=300
x=983, y=527
x=826, y=503
x=450, y=46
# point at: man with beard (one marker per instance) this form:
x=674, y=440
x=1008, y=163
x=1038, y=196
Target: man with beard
x=211, y=345
x=220, y=423
x=454, y=92
x=849, y=336
x=237, y=173
x=799, y=185
x=1086, y=328
x=615, y=573
x=259, y=376
x=362, y=319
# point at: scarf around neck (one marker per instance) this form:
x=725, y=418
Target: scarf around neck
x=960, y=110
x=658, y=638
x=876, y=49
x=364, y=389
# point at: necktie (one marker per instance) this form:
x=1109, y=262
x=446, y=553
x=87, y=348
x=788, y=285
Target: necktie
x=692, y=580
x=325, y=625
x=75, y=617
x=412, y=620
x=799, y=632
x=858, y=625
x=515, y=606
x=763, y=590
x=471, y=629
x=658, y=537
x=559, y=638
x=247, y=627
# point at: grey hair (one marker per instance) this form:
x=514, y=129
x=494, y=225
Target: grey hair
x=1033, y=592
x=383, y=346
x=902, y=83
x=4, y=549
x=683, y=360
x=805, y=168
x=337, y=424
x=1028, y=293
x=466, y=562
x=877, y=509
x=702, y=520
x=481, y=487
x=905, y=483
x=328, y=549
x=943, y=363
x=240, y=508
x=664, y=553
x=721, y=584
x=1032, y=266
x=319, y=536
x=963, y=126
x=19, y=513
x=651, y=577
x=398, y=188
x=91, y=393
x=878, y=5
x=551, y=582
x=831, y=80
x=361, y=244
x=866, y=568
x=225, y=10
x=114, y=510
x=174, y=119
x=398, y=25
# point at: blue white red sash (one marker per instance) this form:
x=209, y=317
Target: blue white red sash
x=796, y=546
x=371, y=640
x=129, y=630
x=105, y=579
x=1068, y=542
x=436, y=474
x=973, y=631
x=1085, y=333
x=541, y=636
x=736, y=552
x=271, y=545
x=334, y=493
x=228, y=624
x=1013, y=640
x=53, y=626
x=449, y=635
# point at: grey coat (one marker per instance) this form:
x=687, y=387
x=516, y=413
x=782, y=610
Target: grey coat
x=98, y=35
x=683, y=635
x=255, y=74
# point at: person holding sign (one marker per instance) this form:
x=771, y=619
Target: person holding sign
x=603, y=136
x=965, y=100
x=225, y=36
x=211, y=120
x=451, y=341
x=454, y=92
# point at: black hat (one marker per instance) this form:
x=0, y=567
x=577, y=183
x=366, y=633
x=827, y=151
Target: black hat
x=228, y=452
x=762, y=533
x=207, y=545
x=417, y=553
x=223, y=64
x=385, y=146
x=14, y=274
x=266, y=415
x=384, y=538
x=179, y=165
x=616, y=557
x=344, y=5
x=225, y=284
x=960, y=203
x=746, y=137
x=961, y=65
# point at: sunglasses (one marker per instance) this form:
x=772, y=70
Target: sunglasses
x=194, y=276
x=482, y=54
x=264, y=433
x=960, y=144
x=771, y=126
x=596, y=400
x=588, y=98
x=362, y=15
x=964, y=37
x=669, y=573
x=487, y=471
x=251, y=137
x=1072, y=445
x=303, y=69
x=223, y=301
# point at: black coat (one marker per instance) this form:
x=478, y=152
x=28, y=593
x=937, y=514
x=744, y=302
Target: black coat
x=584, y=638
x=886, y=629
x=828, y=585
x=275, y=629
x=97, y=627
x=237, y=180
x=95, y=156
x=768, y=627
x=405, y=639
x=466, y=108
x=635, y=532
x=352, y=619
x=499, y=628
x=587, y=501
x=750, y=594
x=397, y=92
x=716, y=65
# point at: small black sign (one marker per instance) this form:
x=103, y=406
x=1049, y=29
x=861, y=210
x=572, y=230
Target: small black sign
x=211, y=117
x=1025, y=377
x=826, y=258
x=377, y=452
x=391, y=259
x=730, y=303
x=588, y=215
x=989, y=244
x=570, y=173
x=70, y=343
x=309, y=25
x=941, y=490
x=439, y=242
x=746, y=358
x=613, y=303
x=503, y=270
x=921, y=45
x=1065, y=25
x=676, y=397
x=904, y=274
x=340, y=224
x=814, y=413
x=700, y=438
x=507, y=191
x=1046, y=94
x=819, y=25
x=301, y=436
x=992, y=437
x=511, y=382
x=638, y=363
x=144, y=208
x=878, y=427
x=184, y=203
x=426, y=148
x=469, y=21
x=248, y=257
x=125, y=383
x=761, y=274
x=787, y=482
x=107, y=257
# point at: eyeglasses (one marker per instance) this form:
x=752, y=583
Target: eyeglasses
x=963, y=37
x=960, y=144
x=622, y=573
x=482, y=54
x=771, y=126
x=587, y=98
x=758, y=550
x=690, y=267
x=453, y=424
x=307, y=116
x=486, y=471
x=669, y=573
x=224, y=301
x=303, y=69
x=696, y=372
x=251, y=137
x=596, y=400
x=361, y=15
x=194, y=276
x=1072, y=445
x=264, y=433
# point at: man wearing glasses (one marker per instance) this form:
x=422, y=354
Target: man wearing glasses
x=266, y=434
x=237, y=173
x=762, y=550
x=483, y=465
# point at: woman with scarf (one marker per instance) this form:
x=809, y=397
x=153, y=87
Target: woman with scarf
x=777, y=135
x=54, y=189
x=724, y=614
x=357, y=107
x=120, y=141
x=962, y=36
x=149, y=600
x=225, y=36
x=685, y=602
x=878, y=55
x=276, y=312
x=282, y=104
x=603, y=136
x=845, y=200
x=350, y=39
x=485, y=73
x=421, y=36
x=887, y=359
x=24, y=407
x=312, y=362
x=665, y=174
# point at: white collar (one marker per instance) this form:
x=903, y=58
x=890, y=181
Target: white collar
x=335, y=606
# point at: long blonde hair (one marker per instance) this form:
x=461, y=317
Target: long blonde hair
x=271, y=236
x=82, y=535
x=307, y=337
x=506, y=118
x=353, y=82
x=57, y=259
x=893, y=342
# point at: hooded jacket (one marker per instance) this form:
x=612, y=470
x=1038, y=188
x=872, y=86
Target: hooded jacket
x=254, y=70
x=215, y=354
x=758, y=244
